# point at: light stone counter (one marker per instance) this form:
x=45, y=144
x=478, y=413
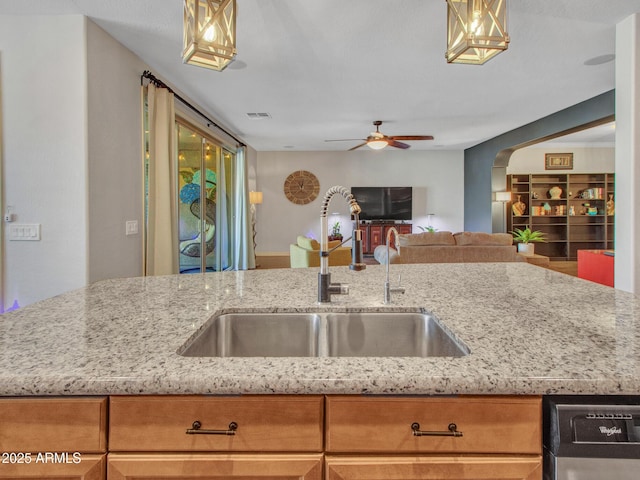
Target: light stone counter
x=530, y=331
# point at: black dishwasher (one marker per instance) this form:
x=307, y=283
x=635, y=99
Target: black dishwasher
x=591, y=437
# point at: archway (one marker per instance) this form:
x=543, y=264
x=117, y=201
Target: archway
x=501, y=162
x=485, y=164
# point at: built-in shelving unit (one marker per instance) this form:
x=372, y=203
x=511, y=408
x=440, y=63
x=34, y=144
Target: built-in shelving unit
x=576, y=219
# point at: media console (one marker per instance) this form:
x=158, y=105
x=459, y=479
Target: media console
x=375, y=233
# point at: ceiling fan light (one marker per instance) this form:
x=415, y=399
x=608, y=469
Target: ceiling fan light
x=476, y=30
x=377, y=144
x=209, y=35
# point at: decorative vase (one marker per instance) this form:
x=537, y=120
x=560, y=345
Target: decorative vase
x=519, y=207
x=611, y=206
x=555, y=193
x=526, y=248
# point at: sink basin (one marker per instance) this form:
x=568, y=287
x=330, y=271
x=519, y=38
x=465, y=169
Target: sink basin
x=364, y=334
x=402, y=334
x=257, y=335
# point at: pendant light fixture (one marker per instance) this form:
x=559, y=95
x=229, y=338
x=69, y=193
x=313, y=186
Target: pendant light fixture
x=209, y=33
x=476, y=30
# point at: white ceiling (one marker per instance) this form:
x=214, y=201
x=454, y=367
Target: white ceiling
x=326, y=69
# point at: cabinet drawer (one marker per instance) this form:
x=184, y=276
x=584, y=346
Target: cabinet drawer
x=215, y=466
x=435, y=467
x=488, y=424
x=53, y=425
x=87, y=467
x=264, y=423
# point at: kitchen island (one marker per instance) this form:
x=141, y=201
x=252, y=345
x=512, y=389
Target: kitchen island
x=530, y=331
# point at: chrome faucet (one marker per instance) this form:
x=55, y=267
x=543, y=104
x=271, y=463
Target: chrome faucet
x=388, y=289
x=325, y=287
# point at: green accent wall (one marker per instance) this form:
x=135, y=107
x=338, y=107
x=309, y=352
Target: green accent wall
x=482, y=162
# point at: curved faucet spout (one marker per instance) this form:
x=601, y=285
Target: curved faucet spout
x=388, y=289
x=356, y=251
x=325, y=287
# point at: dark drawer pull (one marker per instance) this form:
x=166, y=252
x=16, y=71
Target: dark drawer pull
x=453, y=431
x=196, y=430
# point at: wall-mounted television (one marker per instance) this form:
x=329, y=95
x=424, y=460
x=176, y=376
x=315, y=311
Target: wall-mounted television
x=384, y=203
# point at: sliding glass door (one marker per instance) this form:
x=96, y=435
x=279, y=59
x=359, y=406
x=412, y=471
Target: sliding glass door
x=203, y=208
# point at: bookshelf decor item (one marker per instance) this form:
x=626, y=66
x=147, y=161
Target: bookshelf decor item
x=558, y=161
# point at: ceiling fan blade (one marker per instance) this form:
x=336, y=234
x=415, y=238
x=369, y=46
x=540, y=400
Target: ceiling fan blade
x=411, y=137
x=393, y=143
x=345, y=140
x=358, y=146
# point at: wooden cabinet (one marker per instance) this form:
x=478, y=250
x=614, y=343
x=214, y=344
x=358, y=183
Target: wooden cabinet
x=88, y=467
x=307, y=437
x=432, y=437
x=214, y=466
x=374, y=234
x=53, y=438
x=434, y=468
x=292, y=426
x=576, y=219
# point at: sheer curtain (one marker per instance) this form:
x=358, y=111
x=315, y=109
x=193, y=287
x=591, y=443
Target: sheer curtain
x=243, y=255
x=161, y=249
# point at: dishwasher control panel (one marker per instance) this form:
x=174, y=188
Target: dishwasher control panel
x=592, y=426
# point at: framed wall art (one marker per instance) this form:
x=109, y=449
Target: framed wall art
x=558, y=161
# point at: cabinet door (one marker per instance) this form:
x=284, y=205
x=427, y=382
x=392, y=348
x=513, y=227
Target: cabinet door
x=404, y=229
x=210, y=466
x=434, y=468
x=87, y=467
x=376, y=237
x=365, y=239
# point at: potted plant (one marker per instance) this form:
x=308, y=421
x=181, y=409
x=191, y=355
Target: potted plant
x=526, y=238
x=428, y=229
x=335, y=232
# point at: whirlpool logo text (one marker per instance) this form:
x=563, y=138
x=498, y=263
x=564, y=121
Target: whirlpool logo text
x=608, y=431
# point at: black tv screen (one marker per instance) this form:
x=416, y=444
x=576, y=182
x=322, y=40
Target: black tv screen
x=384, y=203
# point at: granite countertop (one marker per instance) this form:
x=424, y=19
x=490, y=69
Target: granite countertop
x=530, y=331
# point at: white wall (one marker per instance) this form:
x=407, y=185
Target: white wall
x=436, y=178
x=114, y=157
x=71, y=154
x=627, y=230
x=44, y=150
x=585, y=160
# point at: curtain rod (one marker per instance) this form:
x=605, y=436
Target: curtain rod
x=159, y=83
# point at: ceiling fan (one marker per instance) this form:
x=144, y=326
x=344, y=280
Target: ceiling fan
x=377, y=140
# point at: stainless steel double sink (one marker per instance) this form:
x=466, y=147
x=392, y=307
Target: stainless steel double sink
x=326, y=334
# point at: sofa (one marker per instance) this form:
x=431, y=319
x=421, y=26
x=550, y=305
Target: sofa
x=306, y=253
x=447, y=247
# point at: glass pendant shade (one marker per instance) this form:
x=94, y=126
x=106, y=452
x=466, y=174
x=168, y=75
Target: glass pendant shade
x=209, y=33
x=476, y=30
x=377, y=144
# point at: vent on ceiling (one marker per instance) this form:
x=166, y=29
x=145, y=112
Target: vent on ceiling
x=258, y=115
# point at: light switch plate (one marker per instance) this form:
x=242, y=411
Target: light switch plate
x=24, y=232
x=131, y=227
